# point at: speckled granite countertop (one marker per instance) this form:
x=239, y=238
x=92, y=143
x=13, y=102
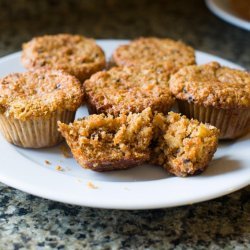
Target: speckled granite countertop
x=28, y=222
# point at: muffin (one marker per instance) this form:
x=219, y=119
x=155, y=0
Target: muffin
x=128, y=89
x=216, y=95
x=171, y=55
x=31, y=103
x=182, y=146
x=75, y=54
x=103, y=143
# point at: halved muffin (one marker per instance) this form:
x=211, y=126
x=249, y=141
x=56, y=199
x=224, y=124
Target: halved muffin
x=182, y=146
x=75, y=54
x=214, y=94
x=31, y=103
x=103, y=143
x=167, y=53
x=129, y=89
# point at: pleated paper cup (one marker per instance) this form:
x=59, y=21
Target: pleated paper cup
x=39, y=132
x=231, y=122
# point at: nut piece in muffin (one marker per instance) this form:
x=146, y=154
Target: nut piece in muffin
x=182, y=146
x=216, y=95
x=171, y=55
x=31, y=103
x=128, y=89
x=75, y=54
x=103, y=143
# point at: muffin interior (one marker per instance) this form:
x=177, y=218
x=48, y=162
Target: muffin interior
x=103, y=142
x=182, y=146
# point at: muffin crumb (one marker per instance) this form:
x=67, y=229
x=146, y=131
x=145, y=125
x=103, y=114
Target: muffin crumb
x=91, y=185
x=59, y=168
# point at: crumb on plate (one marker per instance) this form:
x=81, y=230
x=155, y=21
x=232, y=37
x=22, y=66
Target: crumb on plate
x=91, y=185
x=59, y=168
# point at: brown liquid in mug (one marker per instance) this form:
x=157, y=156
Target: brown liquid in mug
x=241, y=8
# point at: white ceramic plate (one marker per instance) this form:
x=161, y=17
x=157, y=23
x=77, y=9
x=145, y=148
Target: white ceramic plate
x=222, y=9
x=143, y=187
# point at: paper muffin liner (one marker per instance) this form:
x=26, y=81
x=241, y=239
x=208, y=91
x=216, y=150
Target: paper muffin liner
x=35, y=133
x=231, y=122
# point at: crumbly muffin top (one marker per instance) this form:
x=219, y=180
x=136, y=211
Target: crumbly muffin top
x=100, y=138
x=62, y=51
x=170, y=54
x=183, y=146
x=212, y=85
x=38, y=93
x=129, y=89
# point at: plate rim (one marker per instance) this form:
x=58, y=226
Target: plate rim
x=227, y=16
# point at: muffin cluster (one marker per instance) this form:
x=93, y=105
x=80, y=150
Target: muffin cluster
x=31, y=103
x=129, y=103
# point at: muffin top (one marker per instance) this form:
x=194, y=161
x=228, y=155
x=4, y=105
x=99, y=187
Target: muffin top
x=38, y=93
x=212, y=85
x=170, y=54
x=75, y=54
x=129, y=89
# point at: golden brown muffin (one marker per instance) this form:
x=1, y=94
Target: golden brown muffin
x=103, y=143
x=182, y=146
x=128, y=89
x=171, y=55
x=31, y=103
x=216, y=95
x=75, y=54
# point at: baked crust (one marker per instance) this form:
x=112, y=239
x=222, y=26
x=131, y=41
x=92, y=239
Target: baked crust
x=75, y=54
x=182, y=146
x=212, y=85
x=39, y=93
x=103, y=143
x=129, y=89
x=171, y=55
